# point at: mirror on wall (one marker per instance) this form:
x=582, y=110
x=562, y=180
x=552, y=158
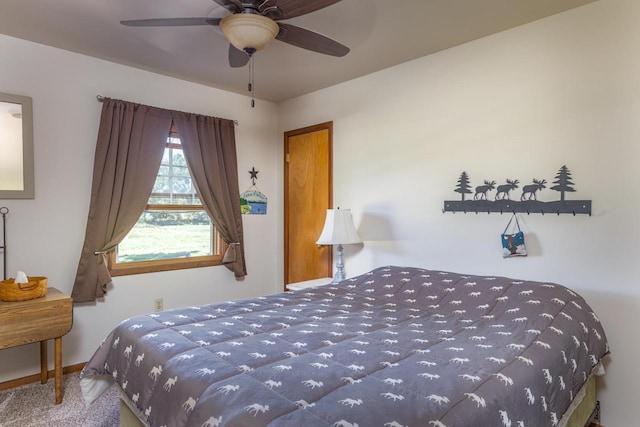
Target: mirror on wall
x=16, y=147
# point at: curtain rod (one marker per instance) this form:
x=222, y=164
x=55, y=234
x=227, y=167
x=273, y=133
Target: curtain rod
x=100, y=98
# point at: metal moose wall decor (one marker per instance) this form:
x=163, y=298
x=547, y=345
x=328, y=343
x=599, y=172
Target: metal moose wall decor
x=501, y=201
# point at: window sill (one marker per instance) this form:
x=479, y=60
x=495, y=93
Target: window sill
x=168, y=265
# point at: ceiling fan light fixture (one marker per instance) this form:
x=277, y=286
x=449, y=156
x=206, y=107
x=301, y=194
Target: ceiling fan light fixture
x=249, y=32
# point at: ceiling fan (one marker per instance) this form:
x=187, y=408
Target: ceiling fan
x=252, y=25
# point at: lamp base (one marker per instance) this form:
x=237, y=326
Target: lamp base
x=339, y=276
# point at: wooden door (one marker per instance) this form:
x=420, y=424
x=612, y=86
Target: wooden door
x=307, y=196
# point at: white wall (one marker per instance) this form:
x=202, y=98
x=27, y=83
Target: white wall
x=519, y=104
x=45, y=235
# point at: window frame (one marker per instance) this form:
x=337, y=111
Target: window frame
x=152, y=266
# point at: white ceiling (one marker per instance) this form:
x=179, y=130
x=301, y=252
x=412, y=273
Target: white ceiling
x=380, y=33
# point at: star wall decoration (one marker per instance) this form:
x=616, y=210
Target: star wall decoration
x=254, y=175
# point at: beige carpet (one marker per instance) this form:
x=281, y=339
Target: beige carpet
x=33, y=405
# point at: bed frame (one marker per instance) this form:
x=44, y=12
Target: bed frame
x=128, y=417
x=584, y=410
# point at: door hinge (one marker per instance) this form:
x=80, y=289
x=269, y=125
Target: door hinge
x=287, y=158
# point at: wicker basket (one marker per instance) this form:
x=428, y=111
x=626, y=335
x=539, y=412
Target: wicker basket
x=11, y=291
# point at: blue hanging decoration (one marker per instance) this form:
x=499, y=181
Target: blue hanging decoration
x=253, y=201
x=513, y=242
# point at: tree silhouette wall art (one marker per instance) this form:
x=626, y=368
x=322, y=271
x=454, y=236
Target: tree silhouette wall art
x=484, y=200
x=463, y=185
x=563, y=181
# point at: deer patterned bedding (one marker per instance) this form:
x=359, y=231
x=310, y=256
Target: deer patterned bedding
x=397, y=346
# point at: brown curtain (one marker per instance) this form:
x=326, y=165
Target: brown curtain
x=209, y=147
x=129, y=149
x=131, y=142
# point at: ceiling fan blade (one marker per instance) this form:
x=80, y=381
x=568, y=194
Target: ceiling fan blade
x=237, y=58
x=293, y=8
x=170, y=22
x=233, y=6
x=310, y=40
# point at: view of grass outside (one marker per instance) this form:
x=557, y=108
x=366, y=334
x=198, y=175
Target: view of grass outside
x=164, y=232
x=148, y=241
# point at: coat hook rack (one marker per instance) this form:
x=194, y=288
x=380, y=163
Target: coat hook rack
x=586, y=210
x=528, y=203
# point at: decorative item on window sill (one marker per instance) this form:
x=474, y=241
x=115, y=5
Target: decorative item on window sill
x=339, y=230
x=252, y=201
x=528, y=202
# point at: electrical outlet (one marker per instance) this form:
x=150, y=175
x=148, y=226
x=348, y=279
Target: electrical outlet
x=158, y=304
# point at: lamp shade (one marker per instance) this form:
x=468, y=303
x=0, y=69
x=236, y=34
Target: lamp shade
x=249, y=31
x=338, y=228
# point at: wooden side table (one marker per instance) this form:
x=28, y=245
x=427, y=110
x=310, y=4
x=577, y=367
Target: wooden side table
x=309, y=283
x=39, y=319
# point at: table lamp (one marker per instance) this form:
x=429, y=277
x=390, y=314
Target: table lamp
x=338, y=230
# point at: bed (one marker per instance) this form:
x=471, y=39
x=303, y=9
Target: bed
x=397, y=346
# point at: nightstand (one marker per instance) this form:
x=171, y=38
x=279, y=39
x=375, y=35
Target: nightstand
x=309, y=283
x=38, y=320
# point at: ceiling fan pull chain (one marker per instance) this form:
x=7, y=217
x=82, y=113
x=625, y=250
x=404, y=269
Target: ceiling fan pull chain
x=250, y=85
x=251, y=73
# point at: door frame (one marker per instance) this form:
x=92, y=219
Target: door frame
x=328, y=126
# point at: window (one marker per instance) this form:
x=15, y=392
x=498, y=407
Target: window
x=174, y=231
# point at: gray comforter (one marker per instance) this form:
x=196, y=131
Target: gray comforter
x=394, y=347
